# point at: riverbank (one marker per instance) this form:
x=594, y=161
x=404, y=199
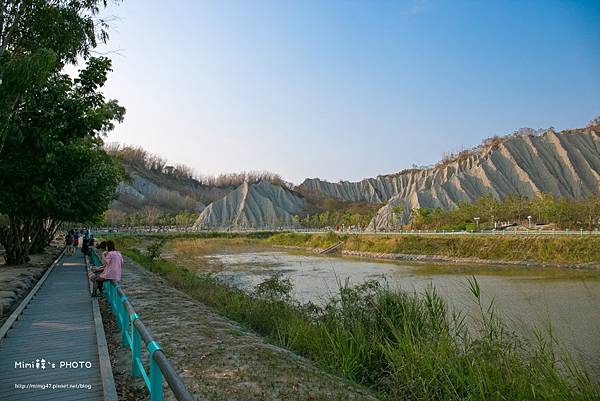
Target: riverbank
x=401, y=345
x=443, y=260
x=534, y=251
x=16, y=281
x=217, y=358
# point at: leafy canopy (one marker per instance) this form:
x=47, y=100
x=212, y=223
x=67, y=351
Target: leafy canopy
x=53, y=163
x=37, y=38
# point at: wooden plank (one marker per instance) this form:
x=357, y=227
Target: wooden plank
x=13, y=316
x=57, y=322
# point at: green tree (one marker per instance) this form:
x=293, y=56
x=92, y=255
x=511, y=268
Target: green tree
x=37, y=38
x=397, y=214
x=543, y=208
x=54, y=167
x=85, y=188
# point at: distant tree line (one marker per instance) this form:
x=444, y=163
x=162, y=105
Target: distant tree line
x=326, y=211
x=149, y=216
x=337, y=218
x=235, y=179
x=136, y=156
x=561, y=212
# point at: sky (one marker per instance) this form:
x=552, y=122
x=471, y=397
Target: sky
x=345, y=90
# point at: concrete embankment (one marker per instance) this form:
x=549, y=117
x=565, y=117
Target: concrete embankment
x=462, y=261
x=217, y=358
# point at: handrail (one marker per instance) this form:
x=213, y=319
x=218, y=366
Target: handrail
x=133, y=331
x=527, y=232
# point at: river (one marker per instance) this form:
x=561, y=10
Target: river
x=566, y=301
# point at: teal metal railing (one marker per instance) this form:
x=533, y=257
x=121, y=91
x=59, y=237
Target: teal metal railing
x=133, y=332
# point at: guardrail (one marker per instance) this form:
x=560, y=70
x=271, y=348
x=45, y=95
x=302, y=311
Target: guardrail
x=133, y=332
x=579, y=232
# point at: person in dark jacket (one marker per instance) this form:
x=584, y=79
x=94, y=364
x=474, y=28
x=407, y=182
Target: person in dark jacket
x=69, y=243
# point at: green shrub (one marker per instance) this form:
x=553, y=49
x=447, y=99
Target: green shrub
x=155, y=248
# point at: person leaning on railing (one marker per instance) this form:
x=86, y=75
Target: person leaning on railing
x=112, y=264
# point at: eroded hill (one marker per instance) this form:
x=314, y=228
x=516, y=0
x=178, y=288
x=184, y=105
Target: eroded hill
x=565, y=164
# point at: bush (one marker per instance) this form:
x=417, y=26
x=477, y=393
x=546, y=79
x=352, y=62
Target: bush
x=155, y=249
x=275, y=288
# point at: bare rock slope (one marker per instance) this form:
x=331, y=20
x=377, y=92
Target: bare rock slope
x=565, y=164
x=253, y=205
x=165, y=192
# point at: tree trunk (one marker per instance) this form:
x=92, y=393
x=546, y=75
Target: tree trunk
x=38, y=237
x=43, y=233
x=16, y=240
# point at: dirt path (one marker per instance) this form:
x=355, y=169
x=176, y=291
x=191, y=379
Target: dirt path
x=217, y=358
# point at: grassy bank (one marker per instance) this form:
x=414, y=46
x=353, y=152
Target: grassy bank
x=568, y=250
x=404, y=346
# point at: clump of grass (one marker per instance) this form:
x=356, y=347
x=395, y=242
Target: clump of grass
x=195, y=246
x=405, y=346
x=306, y=240
x=154, y=250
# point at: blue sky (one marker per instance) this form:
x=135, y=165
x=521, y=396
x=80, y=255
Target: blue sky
x=346, y=89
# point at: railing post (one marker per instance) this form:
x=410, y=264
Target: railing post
x=106, y=285
x=124, y=316
x=155, y=373
x=136, y=347
x=109, y=295
x=115, y=304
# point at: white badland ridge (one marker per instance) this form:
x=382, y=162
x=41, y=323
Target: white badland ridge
x=144, y=189
x=564, y=164
x=253, y=205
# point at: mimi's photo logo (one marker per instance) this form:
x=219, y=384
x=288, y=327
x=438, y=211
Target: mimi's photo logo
x=43, y=364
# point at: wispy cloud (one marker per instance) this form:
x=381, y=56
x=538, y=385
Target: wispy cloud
x=416, y=7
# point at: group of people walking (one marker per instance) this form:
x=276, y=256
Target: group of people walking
x=72, y=240
x=112, y=260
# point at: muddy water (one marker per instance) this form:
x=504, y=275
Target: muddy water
x=568, y=302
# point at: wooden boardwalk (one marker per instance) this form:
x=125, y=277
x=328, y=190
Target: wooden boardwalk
x=52, y=351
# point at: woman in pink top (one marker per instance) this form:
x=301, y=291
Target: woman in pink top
x=113, y=264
